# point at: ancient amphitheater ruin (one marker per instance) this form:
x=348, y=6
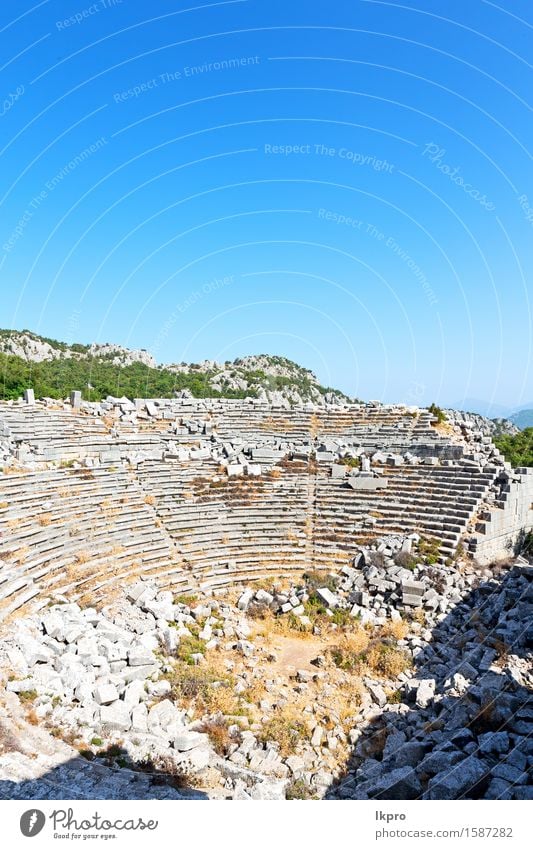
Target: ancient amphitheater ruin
x=152, y=503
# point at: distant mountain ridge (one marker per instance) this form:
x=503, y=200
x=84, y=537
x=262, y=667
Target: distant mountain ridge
x=521, y=417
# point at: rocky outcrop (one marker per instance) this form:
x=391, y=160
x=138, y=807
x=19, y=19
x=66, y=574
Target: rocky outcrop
x=275, y=380
x=36, y=349
x=29, y=347
x=481, y=424
x=120, y=356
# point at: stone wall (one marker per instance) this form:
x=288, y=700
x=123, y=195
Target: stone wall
x=503, y=526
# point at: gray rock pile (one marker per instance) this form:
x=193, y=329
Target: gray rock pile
x=455, y=722
x=462, y=724
x=101, y=678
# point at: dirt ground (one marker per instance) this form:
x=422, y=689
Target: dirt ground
x=295, y=653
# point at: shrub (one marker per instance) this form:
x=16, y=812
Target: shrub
x=200, y=684
x=377, y=558
x=294, y=623
x=28, y=695
x=298, y=789
x=286, y=729
x=188, y=646
x=220, y=736
x=348, y=654
x=352, y=462
x=438, y=413
x=314, y=606
x=164, y=769
x=406, y=560
x=394, y=697
x=315, y=579
x=186, y=600
x=387, y=661
x=429, y=549
x=341, y=617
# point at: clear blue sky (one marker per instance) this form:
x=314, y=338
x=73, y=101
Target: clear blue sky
x=347, y=184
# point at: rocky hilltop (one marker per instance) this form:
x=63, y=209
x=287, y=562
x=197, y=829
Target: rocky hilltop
x=32, y=348
x=99, y=369
x=274, y=379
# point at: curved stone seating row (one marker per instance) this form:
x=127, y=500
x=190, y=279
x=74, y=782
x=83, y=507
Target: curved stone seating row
x=62, y=434
x=66, y=528
x=248, y=418
x=69, y=435
x=188, y=523
x=226, y=525
x=289, y=518
x=433, y=501
x=345, y=422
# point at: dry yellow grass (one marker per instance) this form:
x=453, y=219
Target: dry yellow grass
x=287, y=729
x=218, y=732
x=22, y=553
x=221, y=700
x=268, y=626
x=14, y=523
x=356, y=641
x=398, y=629
x=45, y=519
x=348, y=698
x=387, y=661
x=149, y=499
x=315, y=425
x=419, y=616
x=82, y=556
x=255, y=691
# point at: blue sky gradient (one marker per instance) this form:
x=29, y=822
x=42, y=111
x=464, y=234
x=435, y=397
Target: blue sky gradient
x=347, y=184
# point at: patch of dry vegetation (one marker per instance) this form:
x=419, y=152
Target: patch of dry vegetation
x=222, y=739
x=366, y=652
x=286, y=729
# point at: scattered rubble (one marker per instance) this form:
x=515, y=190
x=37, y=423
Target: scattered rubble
x=393, y=701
